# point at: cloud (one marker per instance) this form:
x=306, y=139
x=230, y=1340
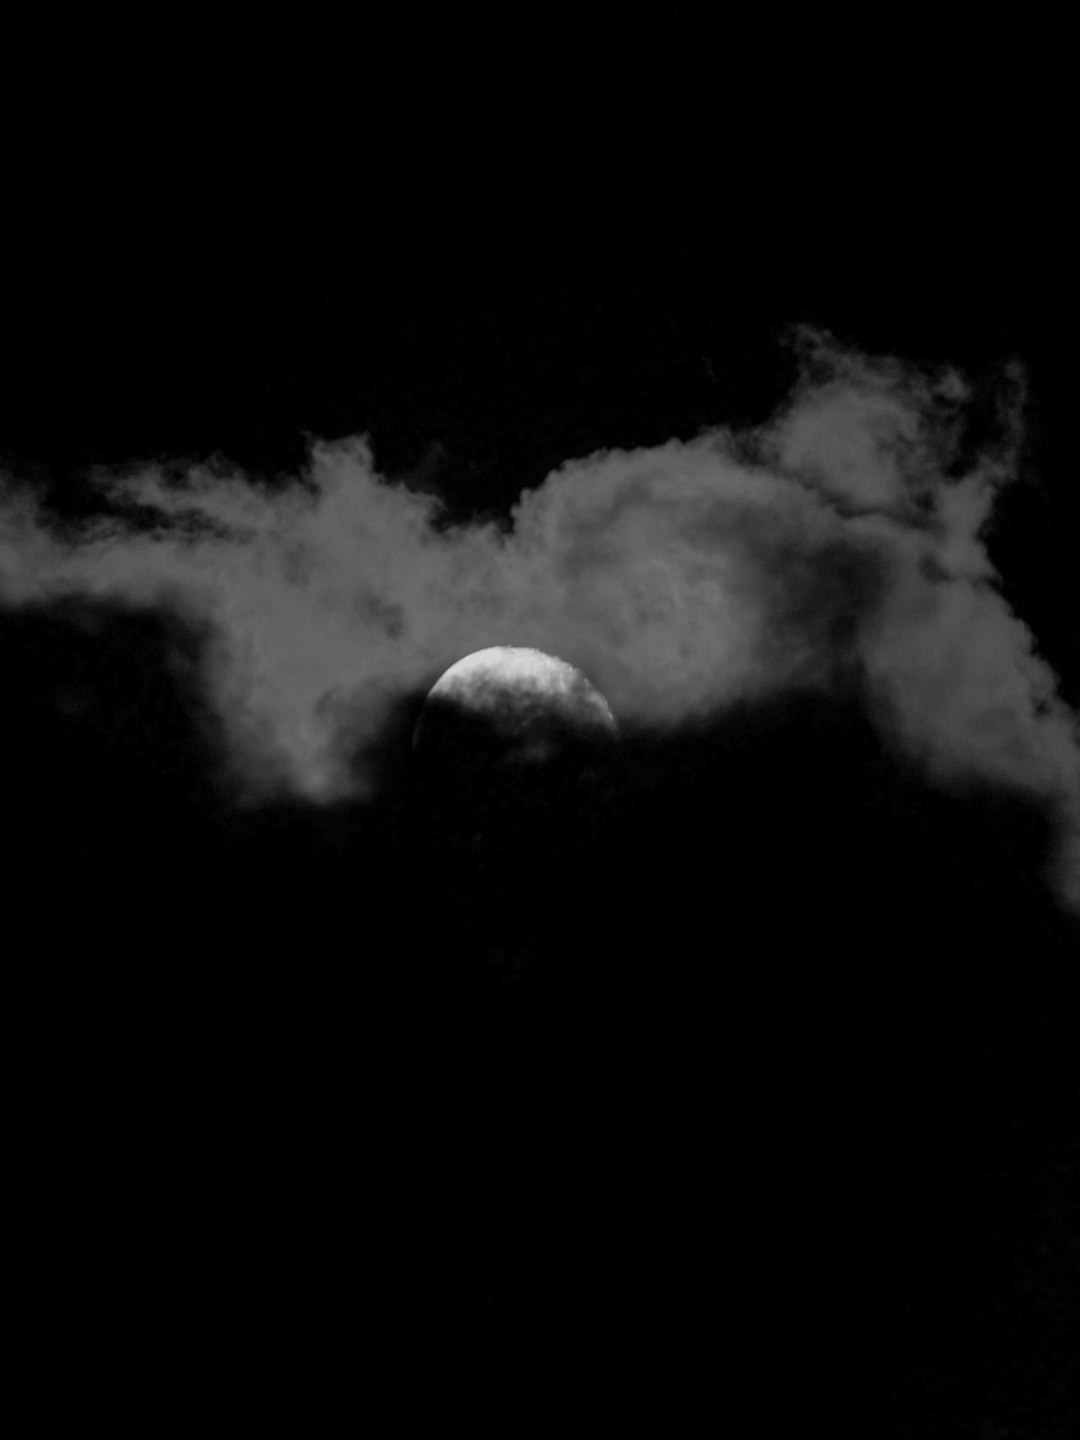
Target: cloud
x=841, y=542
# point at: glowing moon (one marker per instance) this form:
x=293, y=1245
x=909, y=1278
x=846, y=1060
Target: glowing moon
x=510, y=713
x=530, y=701
x=515, y=755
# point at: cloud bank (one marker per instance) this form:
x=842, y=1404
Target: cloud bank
x=841, y=541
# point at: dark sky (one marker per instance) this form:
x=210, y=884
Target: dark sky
x=745, y=1093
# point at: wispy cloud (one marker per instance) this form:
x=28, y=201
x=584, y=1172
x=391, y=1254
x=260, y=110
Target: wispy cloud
x=842, y=540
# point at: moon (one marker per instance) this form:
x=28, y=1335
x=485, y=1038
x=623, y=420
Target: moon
x=516, y=726
x=528, y=699
x=515, y=755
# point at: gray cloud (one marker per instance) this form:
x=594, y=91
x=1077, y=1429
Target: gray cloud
x=843, y=538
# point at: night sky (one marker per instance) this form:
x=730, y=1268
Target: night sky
x=733, y=1094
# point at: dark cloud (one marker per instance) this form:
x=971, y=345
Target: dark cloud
x=841, y=542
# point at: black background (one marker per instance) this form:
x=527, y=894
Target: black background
x=776, y=1127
